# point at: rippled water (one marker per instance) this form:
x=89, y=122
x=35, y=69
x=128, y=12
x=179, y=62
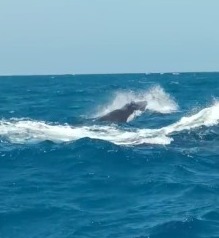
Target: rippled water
x=66, y=174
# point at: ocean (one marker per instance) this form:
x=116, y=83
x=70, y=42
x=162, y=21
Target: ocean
x=64, y=173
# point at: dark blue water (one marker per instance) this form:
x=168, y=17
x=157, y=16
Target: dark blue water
x=65, y=174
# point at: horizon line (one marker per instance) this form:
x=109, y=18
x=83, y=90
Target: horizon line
x=81, y=74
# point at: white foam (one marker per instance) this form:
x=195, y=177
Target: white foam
x=157, y=100
x=206, y=117
x=28, y=131
x=23, y=131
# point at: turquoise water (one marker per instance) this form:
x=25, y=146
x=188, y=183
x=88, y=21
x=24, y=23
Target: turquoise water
x=65, y=174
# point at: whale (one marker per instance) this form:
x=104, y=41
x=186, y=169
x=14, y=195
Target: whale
x=121, y=115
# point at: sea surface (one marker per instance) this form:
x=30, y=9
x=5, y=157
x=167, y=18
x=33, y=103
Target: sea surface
x=65, y=174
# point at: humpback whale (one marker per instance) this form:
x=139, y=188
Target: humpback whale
x=122, y=114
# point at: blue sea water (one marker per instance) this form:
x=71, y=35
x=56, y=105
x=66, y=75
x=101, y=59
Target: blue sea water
x=65, y=174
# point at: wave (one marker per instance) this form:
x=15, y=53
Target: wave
x=157, y=101
x=29, y=131
x=190, y=227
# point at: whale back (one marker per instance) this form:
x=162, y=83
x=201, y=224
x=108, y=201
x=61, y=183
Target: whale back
x=121, y=115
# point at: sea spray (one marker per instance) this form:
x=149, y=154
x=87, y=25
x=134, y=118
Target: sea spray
x=156, y=98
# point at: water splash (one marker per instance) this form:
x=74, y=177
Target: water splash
x=157, y=101
x=28, y=131
x=160, y=101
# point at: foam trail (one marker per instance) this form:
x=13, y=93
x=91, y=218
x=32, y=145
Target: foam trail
x=207, y=117
x=157, y=101
x=28, y=131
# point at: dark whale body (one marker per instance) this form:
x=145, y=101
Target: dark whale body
x=122, y=114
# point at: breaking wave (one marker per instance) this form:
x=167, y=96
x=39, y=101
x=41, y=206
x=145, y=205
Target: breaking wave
x=29, y=131
x=157, y=101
